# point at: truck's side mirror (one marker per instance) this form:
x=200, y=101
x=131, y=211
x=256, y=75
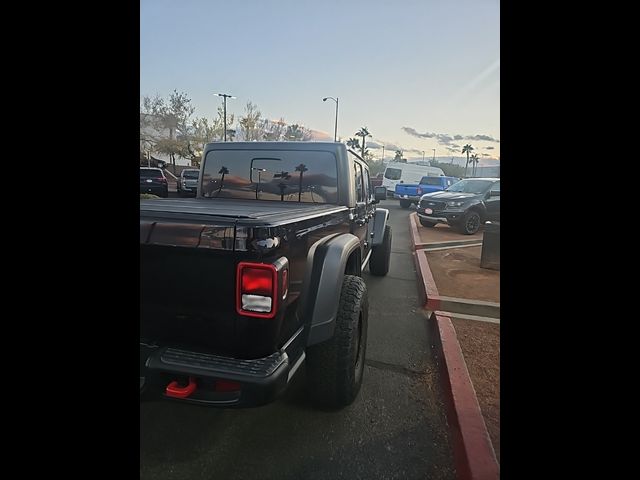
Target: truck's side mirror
x=380, y=193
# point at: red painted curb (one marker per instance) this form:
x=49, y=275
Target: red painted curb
x=416, y=241
x=429, y=291
x=474, y=456
x=473, y=451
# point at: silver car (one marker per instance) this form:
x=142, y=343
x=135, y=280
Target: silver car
x=188, y=182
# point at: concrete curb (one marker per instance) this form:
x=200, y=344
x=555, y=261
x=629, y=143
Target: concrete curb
x=474, y=456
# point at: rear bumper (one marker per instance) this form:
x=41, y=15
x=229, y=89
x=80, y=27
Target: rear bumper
x=261, y=380
x=154, y=190
x=406, y=197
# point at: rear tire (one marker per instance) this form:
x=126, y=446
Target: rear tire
x=335, y=368
x=380, y=255
x=405, y=203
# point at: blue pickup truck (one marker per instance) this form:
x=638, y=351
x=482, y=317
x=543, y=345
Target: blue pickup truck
x=409, y=193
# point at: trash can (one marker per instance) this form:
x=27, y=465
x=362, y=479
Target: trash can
x=490, y=257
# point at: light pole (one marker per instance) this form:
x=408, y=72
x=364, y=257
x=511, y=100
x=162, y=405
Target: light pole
x=434, y=154
x=224, y=102
x=422, y=156
x=335, y=133
x=382, y=154
x=259, y=170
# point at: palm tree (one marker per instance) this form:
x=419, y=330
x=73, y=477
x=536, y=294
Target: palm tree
x=301, y=168
x=364, y=133
x=398, y=156
x=467, y=149
x=223, y=171
x=353, y=143
x=474, y=162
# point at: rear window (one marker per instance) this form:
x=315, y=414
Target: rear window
x=392, y=173
x=191, y=174
x=150, y=173
x=282, y=175
x=430, y=181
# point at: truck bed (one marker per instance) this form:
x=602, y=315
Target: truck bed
x=256, y=212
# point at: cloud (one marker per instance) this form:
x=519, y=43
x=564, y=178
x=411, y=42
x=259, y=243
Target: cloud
x=485, y=138
x=485, y=155
x=489, y=148
x=373, y=145
x=445, y=139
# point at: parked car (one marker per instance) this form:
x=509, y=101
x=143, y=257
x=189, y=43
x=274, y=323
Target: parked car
x=465, y=205
x=409, y=193
x=152, y=180
x=188, y=182
x=261, y=272
x=398, y=172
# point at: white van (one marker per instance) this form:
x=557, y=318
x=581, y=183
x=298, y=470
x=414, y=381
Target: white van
x=397, y=172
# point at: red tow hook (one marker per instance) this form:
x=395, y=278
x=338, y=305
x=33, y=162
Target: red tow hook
x=175, y=391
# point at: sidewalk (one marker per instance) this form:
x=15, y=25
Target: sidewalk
x=462, y=301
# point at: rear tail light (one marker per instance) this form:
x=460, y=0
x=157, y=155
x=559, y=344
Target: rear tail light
x=162, y=180
x=257, y=287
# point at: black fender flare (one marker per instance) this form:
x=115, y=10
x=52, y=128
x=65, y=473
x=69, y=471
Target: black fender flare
x=326, y=265
x=379, y=222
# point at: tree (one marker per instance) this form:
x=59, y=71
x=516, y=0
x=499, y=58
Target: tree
x=467, y=149
x=201, y=134
x=398, y=157
x=173, y=114
x=273, y=131
x=301, y=168
x=449, y=169
x=364, y=133
x=353, y=143
x=218, y=126
x=250, y=124
x=297, y=133
x=223, y=171
x=474, y=162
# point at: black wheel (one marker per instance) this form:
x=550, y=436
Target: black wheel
x=427, y=223
x=335, y=367
x=470, y=223
x=380, y=255
x=405, y=203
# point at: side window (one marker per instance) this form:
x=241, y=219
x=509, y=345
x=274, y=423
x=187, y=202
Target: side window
x=367, y=184
x=358, y=182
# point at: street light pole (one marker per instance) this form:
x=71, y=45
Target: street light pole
x=382, y=153
x=224, y=102
x=434, y=154
x=335, y=132
x=422, y=156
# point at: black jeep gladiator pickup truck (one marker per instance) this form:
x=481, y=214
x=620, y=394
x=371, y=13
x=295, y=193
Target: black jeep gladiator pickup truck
x=260, y=273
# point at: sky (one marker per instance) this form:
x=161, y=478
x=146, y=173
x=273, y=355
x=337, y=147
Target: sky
x=419, y=74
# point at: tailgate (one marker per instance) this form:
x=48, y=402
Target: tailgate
x=187, y=289
x=407, y=189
